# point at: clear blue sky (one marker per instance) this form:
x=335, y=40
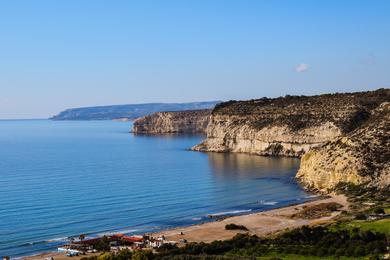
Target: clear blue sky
x=60, y=54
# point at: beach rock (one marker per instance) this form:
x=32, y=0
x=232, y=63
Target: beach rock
x=191, y=121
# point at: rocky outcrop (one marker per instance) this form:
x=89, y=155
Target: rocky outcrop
x=192, y=121
x=361, y=157
x=287, y=126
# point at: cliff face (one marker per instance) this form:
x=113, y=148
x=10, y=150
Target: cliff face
x=287, y=126
x=193, y=121
x=360, y=157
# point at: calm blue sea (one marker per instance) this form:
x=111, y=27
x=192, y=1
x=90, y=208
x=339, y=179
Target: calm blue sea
x=64, y=178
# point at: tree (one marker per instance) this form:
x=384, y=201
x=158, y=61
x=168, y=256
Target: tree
x=71, y=240
x=340, y=251
x=81, y=237
x=124, y=254
x=105, y=256
x=142, y=255
x=103, y=244
x=331, y=250
x=349, y=251
x=360, y=250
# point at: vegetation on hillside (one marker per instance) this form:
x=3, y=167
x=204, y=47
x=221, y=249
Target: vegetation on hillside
x=317, y=211
x=306, y=242
x=346, y=110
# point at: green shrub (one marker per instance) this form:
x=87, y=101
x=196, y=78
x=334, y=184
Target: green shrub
x=235, y=227
x=379, y=211
x=360, y=216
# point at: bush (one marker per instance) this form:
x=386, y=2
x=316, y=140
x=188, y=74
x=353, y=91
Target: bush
x=309, y=241
x=235, y=227
x=379, y=211
x=359, y=251
x=360, y=216
x=340, y=251
x=142, y=255
x=105, y=256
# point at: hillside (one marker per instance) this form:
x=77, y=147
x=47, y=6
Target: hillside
x=287, y=126
x=361, y=157
x=130, y=112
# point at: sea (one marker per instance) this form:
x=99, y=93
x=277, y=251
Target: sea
x=60, y=179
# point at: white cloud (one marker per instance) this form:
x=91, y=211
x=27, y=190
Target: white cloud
x=302, y=67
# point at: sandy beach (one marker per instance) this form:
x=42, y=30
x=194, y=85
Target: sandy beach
x=261, y=224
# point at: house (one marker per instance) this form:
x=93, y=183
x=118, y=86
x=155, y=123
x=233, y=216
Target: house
x=155, y=243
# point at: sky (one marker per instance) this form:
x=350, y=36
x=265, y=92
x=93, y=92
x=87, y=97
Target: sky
x=70, y=53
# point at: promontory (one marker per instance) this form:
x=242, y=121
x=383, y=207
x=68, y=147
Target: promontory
x=343, y=137
x=191, y=121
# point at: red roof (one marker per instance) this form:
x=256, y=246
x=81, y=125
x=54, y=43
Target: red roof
x=116, y=236
x=132, y=239
x=91, y=241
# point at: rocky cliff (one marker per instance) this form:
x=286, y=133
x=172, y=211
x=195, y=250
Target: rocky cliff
x=347, y=134
x=193, y=121
x=360, y=157
x=287, y=126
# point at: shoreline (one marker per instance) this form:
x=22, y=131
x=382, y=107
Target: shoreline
x=261, y=223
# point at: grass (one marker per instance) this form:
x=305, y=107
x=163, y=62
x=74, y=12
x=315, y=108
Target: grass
x=382, y=226
x=301, y=257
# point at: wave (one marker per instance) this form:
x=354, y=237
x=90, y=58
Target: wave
x=121, y=231
x=311, y=196
x=230, y=212
x=43, y=242
x=59, y=239
x=268, y=203
x=196, y=219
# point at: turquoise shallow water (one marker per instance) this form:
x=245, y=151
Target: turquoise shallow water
x=64, y=178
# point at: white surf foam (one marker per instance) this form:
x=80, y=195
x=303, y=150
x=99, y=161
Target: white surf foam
x=121, y=231
x=59, y=239
x=268, y=203
x=230, y=212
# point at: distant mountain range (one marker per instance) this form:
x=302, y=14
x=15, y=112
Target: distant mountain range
x=131, y=111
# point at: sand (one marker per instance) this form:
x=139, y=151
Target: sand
x=261, y=224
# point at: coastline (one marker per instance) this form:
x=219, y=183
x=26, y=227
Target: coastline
x=262, y=223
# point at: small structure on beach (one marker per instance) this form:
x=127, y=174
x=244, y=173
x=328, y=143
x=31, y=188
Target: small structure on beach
x=115, y=242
